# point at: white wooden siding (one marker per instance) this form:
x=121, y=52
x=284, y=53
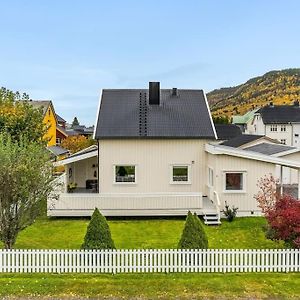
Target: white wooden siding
x=254, y=171
x=153, y=159
x=126, y=204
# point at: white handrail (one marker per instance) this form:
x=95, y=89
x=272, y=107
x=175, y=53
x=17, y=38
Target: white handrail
x=217, y=202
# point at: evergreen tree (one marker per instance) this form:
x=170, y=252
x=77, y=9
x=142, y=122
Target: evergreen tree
x=75, y=122
x=193, y=235
x=98, y=234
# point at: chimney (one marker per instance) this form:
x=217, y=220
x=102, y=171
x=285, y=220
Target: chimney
x=296, y=103
x=154, y=93
x=174, y=92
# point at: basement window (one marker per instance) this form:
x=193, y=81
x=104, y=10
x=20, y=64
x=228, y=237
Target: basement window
x=125, y=174
x=180, y=174
x=234, y=181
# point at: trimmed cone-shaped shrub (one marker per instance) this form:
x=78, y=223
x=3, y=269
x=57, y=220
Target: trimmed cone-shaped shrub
x=203, y=241
x=98, y=234
x=193, y=235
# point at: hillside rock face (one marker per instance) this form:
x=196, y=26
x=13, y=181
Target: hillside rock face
x=279, y=87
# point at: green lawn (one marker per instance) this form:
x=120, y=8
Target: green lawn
x=148, y=233
x=68, y=233
x=152, y=286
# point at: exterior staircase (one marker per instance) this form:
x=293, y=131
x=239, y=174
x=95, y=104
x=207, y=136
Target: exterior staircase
x=211, y=214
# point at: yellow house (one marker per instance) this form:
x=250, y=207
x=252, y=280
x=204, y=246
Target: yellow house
x=50, y=119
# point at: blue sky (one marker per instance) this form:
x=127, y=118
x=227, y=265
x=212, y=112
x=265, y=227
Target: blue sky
x=68, y=51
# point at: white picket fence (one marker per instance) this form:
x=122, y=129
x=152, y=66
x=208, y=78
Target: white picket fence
x=148, y=261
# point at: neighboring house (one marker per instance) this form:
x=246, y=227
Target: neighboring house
x=57, y=152
x=81, y=130
x=227, y=131
x=49, y=119
x=158, y=155
x=280, y=122
x=61, y=132
x=245, y=122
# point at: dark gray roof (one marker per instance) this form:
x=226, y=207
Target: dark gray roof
x=44, y=104
x=57, y=150
x=227, y=131
x=127, y=114
x=280, y=114
x=241, y=140
x=60, y=119
x=269, y=149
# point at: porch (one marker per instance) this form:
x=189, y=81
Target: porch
x=156, y=204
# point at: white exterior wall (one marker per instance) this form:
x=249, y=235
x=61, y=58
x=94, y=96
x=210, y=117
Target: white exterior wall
x=153, y=160
x=258, y=125
x=290, y=175
x=279, y=135
x=254, y=170
x=296, y=135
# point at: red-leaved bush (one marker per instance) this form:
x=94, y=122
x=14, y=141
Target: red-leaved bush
x=281, y=211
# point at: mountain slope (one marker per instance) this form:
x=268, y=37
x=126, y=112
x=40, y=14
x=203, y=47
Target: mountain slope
x=279, y=87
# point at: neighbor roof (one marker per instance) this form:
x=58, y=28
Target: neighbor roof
x=60, y=119
x=244, y=118
x=127, y=114
x=280, y=114
x=242, y=140
x=57, y=150
x=44, y=104
x=269, y=149
x=227, y=131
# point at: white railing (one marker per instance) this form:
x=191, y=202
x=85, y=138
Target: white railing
x=145, y=261
x=217, y=202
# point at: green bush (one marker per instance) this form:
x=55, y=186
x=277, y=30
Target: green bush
x=98, y=234
x=193, y=235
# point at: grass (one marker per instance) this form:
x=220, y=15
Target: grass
x=162, y=286
x=148, y=233
x=66, y=233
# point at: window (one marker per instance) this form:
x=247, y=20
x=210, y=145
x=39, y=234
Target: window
x=210, y=177
x=125, y=174
x=296, y=135
x=273, y=127
x=180, y=174
x=283, y=128
x=283, y=141
x=58, y=141
x=234, y=181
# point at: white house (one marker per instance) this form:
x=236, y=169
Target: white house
x=280, y=122
x=158, y=154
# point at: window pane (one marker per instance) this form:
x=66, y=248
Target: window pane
x=234, y=181
x=125, y=173
x=180, y=173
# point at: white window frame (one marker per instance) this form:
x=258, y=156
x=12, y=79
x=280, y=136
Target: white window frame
x=210, y=176
x=244, y=174
x=273, y=127
x=283, y=128
x=180, y=182
x=125, y=165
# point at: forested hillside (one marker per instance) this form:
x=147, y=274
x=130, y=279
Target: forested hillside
x=279, y=87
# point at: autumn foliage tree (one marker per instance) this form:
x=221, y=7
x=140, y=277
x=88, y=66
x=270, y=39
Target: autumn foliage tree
x=76, y=143
x=19, y=118
x=281, y=211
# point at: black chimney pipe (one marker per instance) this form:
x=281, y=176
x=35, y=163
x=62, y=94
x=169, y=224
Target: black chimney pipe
x=154, y=93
